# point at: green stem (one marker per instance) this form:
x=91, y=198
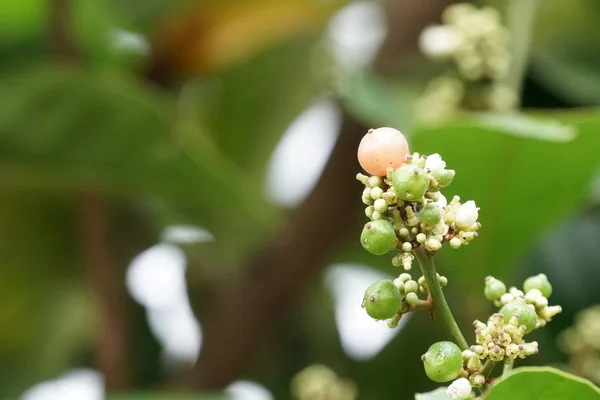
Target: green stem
x=520, y=15
x=507, y=367
x=486, y=371
x=440, y=306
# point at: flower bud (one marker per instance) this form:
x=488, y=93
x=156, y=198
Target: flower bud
x=455, y=243
x=380, y=205
x=376, y=193
x=460, y=389
x=411, y=298
x=467, y=215
x=411, y=286
x=378, y=237
x=410, y=182
x=430, y=214
x=382, y=299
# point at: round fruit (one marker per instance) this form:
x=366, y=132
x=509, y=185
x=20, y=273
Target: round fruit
x=539, y=282
x=431, y=214
x=378, y=237
x=382, y=299
x=443, y=361
x=494, y=289
x=526, y=313
x=380, y=149
x=410, y=182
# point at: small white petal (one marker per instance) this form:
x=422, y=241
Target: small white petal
x=459, y=389
x=442, y=201
x=467, y=214
x=439, y=41
x=434, y=162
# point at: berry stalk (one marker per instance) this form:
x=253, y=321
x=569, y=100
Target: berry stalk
x=440, y=305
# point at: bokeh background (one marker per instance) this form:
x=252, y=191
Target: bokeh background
x=179, y=213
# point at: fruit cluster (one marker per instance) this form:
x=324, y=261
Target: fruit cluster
x=407, y=212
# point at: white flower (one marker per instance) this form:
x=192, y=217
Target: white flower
x=459, y=389
x=442, y=201
x=467, y=215
x=434, y=162
x=439, y=41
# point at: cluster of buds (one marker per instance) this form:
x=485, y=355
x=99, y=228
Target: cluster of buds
x=407, y=210
x=477, y=44
x=536, y=291
x=581, y=342
x=497, y=340
x=318, y=382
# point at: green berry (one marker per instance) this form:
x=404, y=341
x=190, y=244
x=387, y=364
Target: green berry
x=382, y=299
x=410, y=182
x=442, y=362
x=431, y=214
x=378, y=237
x=526, y=313
x=444, y=177
x=539, y=282
x=494, y=289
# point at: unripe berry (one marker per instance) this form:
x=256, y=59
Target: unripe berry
x=382, y=299
x=539, y=282
x=444, y=177
x=382, y=148
x=378, y=237
x=526, y=313
x=442, y=362
x=494, y=289
x=410, y=182
x=431, y=214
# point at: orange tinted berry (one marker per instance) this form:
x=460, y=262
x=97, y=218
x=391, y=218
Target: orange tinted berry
x=380, y=149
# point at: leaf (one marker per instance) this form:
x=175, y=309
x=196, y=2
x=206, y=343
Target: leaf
x=66, y=129
x=523, y=185
x=542, y=383
x=437, y=394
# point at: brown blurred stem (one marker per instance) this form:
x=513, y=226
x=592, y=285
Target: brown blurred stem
x=112, y=340
x=107, y=281
x=244, y=314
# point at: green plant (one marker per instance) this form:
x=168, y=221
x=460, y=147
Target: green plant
x=417, y=222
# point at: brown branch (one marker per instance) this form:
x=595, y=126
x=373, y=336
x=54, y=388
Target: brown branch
x=107, y=282
x=61, y=40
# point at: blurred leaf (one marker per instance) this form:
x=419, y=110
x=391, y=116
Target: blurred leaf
x=106, y=131
x=20, y=19
x=575, y=78
x=437, y=394
x=523, y=186
x=379, y=102
x=542, y=383
x=259, y=99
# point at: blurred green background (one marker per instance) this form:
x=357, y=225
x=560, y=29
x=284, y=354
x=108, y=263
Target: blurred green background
x=178, y=204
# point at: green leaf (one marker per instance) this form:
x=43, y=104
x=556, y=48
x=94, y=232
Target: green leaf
x=437, y=394
x=258, y=101
x=66, y=129
x=522, y=184
x=542, y=383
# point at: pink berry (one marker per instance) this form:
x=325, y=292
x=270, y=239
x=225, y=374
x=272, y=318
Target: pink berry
x=382, y=148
